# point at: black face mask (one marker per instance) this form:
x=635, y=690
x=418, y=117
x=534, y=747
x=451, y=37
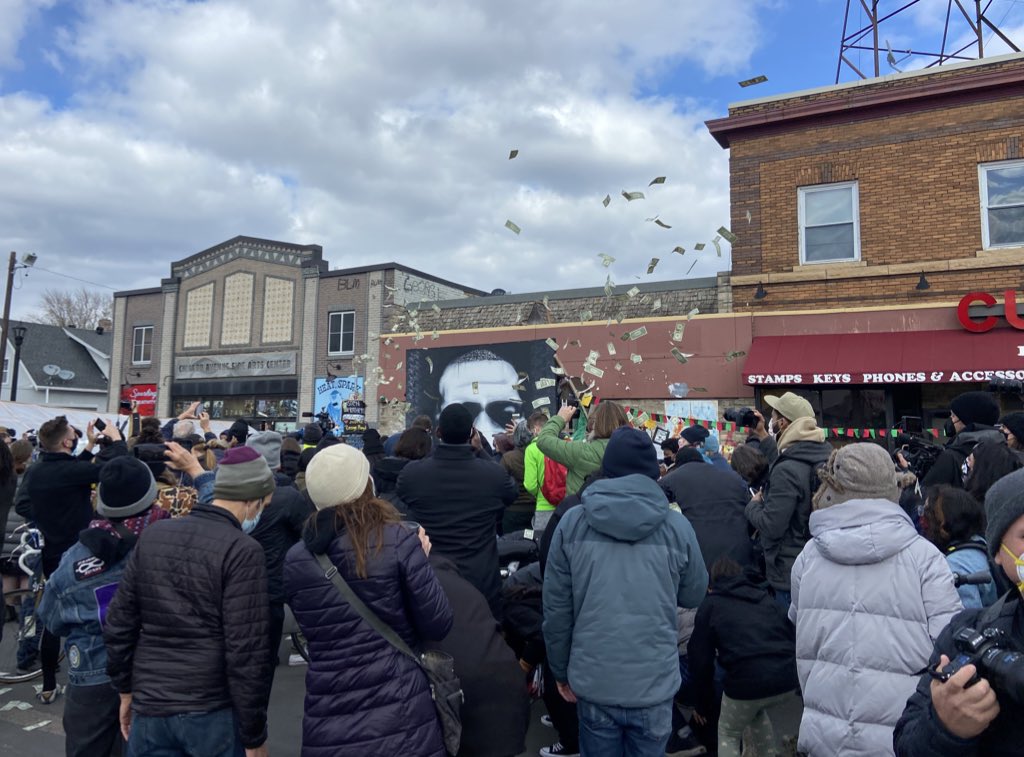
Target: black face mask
x=948, y=428
x=668, y=461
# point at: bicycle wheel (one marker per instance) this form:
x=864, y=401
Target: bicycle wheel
x=19, y=646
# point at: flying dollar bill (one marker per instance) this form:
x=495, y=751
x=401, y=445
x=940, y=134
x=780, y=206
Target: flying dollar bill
x=637, y=333
x=756, y=80
x=430, y=365
x=593, y=370
x=585, y=316
x=551, y=343
x=662, y=224
x=682, y=357
x=607, y=199
x=609, y=286
x=636, y=358
x=652, y=265
x=611, y=349
x=541, y=402
x=512, y=227
x=734, y=355
x=513, y=154
x=593, y=356
x=606, y=260
x=692, y=313
x=679, y=250
x=630, y=196
x=727, y=235
x=633, y=292
x=678, y=331
x=718, y=247
x=679, y=390
x=618, y=367
x=657, y=180
x=656, y=305
x=544, y=383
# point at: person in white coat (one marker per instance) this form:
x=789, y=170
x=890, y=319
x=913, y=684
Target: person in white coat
x=870, y=597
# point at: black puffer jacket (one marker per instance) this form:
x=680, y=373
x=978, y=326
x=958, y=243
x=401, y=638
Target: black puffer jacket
x=782, y=517
x=920, y=733
x=713, y=500
x=279, y=528
x=459, y=499
x=948, y=466
x=385, y=478
x=188, y=630
x=742, y=626
x=364, y=697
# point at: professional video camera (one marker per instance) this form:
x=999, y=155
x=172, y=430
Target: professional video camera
x=741, y=416
x=919, y=453
x=323, y=419
x=992, y=653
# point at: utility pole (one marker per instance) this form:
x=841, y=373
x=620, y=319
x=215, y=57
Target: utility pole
x=7, y=309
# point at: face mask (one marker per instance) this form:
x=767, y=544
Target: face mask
x=249, y=524
x=1019, y=561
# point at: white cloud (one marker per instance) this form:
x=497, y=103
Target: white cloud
x=378, y=129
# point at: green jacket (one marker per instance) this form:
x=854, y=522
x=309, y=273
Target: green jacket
x=579, y=458
x=533, y=478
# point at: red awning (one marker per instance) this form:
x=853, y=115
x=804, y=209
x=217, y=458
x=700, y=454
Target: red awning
x=922, y=357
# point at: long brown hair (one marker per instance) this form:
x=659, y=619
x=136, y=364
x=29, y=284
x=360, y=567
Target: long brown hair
x=607, y=417
x=364, y=520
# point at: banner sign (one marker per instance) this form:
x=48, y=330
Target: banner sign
x=231, y=366
x=918, y=377
x=341, y=398
x=144, y=394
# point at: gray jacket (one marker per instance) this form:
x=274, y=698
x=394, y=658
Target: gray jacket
x=870, y=597
x=620, y=564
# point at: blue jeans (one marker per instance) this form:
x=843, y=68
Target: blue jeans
x=194, y=734
x=609, y=731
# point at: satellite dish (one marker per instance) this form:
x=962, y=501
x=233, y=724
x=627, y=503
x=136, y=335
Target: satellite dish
x=51, y=369
x=66, y=375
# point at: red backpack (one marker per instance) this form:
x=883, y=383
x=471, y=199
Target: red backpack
x=553, y=487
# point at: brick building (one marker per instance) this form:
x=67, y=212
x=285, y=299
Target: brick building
x=864, y=212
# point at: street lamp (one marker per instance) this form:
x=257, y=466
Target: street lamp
x=27, y=261
x=18, y=332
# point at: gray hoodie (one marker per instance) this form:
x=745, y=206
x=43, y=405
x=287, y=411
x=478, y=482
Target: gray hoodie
x=619, y=565
x=870, y=597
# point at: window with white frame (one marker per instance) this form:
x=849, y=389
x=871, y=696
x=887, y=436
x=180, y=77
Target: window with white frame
x=829, y=217
x=142, y=345
x=341, y=333
x=1002, y=204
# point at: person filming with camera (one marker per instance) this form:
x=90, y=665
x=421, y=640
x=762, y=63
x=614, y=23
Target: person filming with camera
x=970, y=699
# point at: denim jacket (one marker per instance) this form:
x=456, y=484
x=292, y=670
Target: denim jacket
x=76, y=599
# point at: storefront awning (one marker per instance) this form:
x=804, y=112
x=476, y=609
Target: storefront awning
x=923, y=357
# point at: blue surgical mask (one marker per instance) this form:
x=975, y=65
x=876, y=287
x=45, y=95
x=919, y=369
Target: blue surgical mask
x=249, y=524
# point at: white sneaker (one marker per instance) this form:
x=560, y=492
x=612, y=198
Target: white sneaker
x=557, y=750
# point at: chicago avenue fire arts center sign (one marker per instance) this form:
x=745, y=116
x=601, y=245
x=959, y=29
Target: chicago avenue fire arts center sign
x=232, y=366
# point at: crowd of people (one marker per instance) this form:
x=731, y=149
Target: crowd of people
x=662, y=602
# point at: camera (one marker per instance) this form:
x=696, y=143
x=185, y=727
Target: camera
x=323, y=419
x=991, y=653
x=150, y=453
x=741, y=416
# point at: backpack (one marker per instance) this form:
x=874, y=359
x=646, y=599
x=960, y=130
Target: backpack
x=553, y=487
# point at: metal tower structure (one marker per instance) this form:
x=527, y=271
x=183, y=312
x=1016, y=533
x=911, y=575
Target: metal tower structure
x=862, y=31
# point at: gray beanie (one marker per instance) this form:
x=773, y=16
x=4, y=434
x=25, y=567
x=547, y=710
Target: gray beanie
x=242, y=475
x=1004, y=504
x=857, y=471
x=268, y=444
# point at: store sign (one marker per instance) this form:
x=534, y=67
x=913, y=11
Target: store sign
x=988, y=322
x=915, y=377
x=232, y=366
x=144, y=394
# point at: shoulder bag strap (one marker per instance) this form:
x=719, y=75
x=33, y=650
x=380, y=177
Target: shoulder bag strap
x=331, y=573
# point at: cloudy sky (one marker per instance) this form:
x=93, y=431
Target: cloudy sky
x=137, y=133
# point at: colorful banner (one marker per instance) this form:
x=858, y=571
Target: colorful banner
x=331, y=394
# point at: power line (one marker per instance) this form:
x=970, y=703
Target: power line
x=74, y=278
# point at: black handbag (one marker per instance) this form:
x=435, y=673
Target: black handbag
x=445, y=687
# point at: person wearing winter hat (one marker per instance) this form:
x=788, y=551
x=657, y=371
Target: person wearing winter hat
x=794, y=447
x=460, y=498
x=238, y=432
x=869, y=598
x=972, y=420
x=621, y=667
x=77, y=595
x=1012, y=426
x=362, y=695
x=713, y=453
x=969, y=712
x=280, y=526
x=186, y=572
x=693, y=436
x=311, y=435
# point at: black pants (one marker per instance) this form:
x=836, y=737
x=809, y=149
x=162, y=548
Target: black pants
x=514, y=520
x=276, y=631
x=563, y=714
x=91, y=724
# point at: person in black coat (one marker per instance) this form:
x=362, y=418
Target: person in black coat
x=747, y=631
x=459, y=499
x=198, y=586
x=279, y=527
x=713, y=500
x=413, y=444
x=496, y=711
x=973, y=416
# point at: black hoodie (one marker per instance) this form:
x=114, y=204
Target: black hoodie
x=948, y=466
x=754, y=641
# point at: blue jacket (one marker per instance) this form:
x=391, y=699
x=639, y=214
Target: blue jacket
x=619, y=565
x=74, y=607
x=965, y=560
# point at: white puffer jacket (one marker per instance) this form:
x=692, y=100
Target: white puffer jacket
x=869, y=598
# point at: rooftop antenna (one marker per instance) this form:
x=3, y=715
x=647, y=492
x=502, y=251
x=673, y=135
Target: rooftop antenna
x=964, y=19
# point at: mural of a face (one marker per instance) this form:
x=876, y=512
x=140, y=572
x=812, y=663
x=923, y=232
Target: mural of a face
x=493, y=400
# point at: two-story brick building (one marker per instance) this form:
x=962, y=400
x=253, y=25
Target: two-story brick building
x=864, y=213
